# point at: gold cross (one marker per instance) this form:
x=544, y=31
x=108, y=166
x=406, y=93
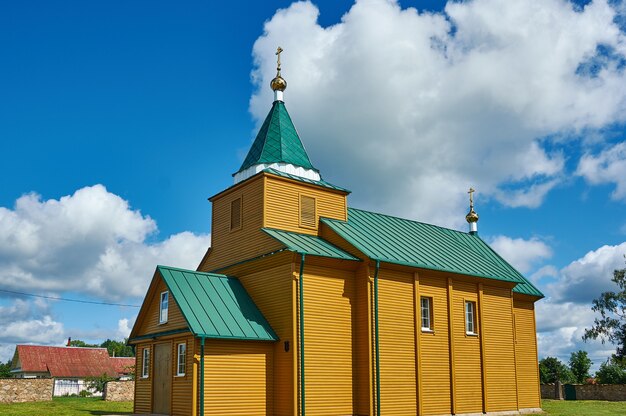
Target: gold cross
x=471, y=194
x=278, y=51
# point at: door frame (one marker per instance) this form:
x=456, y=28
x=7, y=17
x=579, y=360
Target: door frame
x=154, y=375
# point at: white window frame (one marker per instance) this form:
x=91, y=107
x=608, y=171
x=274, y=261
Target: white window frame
x=428, y=301
x=470, y=318
x=145, y=363
x=181, y=358
x=164, y=311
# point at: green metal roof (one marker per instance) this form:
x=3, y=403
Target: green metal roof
x=308, y=244
x=277, y=142
x=321, y=182
x=216, y=306
x=411, y=243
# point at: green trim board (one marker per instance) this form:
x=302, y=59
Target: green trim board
x=277, y=142
x=216, y=306
x=309, y=244
x=159, y=334
x=416, y=244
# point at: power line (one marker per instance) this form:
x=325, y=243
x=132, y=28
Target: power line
x=69, y=300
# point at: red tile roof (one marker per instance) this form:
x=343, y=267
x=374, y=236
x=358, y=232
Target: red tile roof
x=67, y=361
x=123, y=365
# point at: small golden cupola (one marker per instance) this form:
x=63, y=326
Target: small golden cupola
x=278, y=84
x=472, y=216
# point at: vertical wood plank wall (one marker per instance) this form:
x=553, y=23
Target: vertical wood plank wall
x=499, y=359
x=435, y=349
x=282, y=205
x=271, y=290
x=526, y=350
x=329, y=297
x=238, y=378
x=398, y=381
x=468, y=378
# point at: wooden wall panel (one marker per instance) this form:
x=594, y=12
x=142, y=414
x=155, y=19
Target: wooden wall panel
x=282, y=207
x=435, y=352
x=329, y=296
x=398, y=384
x=526, y=354
x=182, y=385
x=238, y=378
x=499, y=349
x=229, y=247
x=150, y=323
x=143, y=386
x=362, y=342
x=271, y=290
x=467, y=360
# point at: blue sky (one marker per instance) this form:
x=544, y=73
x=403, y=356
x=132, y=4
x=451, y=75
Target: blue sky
x=118, y=120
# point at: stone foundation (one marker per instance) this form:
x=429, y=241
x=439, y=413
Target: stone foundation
x=119, y=391
x=19, y=390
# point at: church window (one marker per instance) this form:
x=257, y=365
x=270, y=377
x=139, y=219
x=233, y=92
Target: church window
x=235, y=214
x=145, y=363
x=307, y=212
x=164, y=307
x=181, y=358
x=470, y=318
x=427, y=317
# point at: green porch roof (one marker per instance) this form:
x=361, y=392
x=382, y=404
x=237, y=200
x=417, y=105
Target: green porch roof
x=411, y=243
x=277, y=142
x=216, y=306
x=309, y=244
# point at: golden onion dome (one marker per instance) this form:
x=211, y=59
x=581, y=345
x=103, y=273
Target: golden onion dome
x=278, y=83
x=471, y=216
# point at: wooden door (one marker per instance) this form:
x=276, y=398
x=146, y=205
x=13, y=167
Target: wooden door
x=162, y=384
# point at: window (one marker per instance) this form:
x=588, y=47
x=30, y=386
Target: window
x=145, y=363
x=427, y=317
x=235, y=214
x=470, y=318
x=307, y=212
x=182, y=349
x=164, y=307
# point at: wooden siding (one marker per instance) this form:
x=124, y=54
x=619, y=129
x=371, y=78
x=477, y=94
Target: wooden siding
x=143, y=386
x=467, y=360
x=271, y=290
x=238, y=378
x=526, y=354
x=362, y=342
x=398, y=386
x=434, y=354
x=282, y=204
x=150, y=321
x=249, y=241
x=328, y=300
x=182, y=385
x=499, y=358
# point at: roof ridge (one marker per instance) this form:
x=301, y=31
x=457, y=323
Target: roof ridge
x=410, y=220
x=162, y=266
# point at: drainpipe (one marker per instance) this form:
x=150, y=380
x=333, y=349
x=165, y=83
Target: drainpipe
x=301, y=295
x=202, y=376
x=376, y=338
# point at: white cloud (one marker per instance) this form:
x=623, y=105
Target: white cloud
x=90, y=242
x=410, y=108
x=522, y=254
x=609, y=166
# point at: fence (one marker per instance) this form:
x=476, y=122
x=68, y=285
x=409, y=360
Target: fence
x=72, y=386
x=19, y=390
x=609, y=392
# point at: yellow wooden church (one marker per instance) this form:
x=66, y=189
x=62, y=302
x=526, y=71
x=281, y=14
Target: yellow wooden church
x=304, y=306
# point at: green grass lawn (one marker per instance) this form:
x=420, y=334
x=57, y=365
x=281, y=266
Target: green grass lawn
x=583, y=408
x=68, y=406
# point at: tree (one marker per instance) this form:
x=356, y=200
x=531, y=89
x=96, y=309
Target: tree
x=98, y=383
x=5, y=370
x=79, y=343
x=579, y=364
x=611, y=326
x=611, y=372
x=118, y=348
x=552, y=369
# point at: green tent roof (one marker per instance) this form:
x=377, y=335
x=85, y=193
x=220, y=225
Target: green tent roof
x=277, y=142
x=308, y=244
x=411, y=243
x=216, y=306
